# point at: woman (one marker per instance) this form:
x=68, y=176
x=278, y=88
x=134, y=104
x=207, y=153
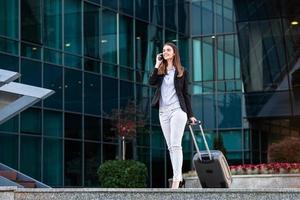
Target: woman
x=173, y=101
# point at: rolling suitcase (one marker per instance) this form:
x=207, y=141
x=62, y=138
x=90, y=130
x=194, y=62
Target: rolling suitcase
x=211, y=165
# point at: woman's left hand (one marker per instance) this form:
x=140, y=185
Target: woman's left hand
x=193, y=120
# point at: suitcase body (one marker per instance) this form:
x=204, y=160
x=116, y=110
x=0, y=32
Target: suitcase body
x=211, y=166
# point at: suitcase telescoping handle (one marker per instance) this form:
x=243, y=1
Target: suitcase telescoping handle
x=195, y=142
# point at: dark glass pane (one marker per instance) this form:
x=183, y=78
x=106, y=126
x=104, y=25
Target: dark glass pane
x=92, y=94
x=9, y=46
x=109, y=134
x=110, y=97
x=171, y=13
x=142, y=9
x=158, y=168
x=127, y=74
x=110, y=152
x=209, y=111
x=9, y=147
x=73, y=90
x=197, y=106
x=9, y=62
x=9, y=12
x=73, y=163
x=142, y=77
x=109, y=36
x=110, y=3
x=126, y=93
x=126, y=6
x=141, y=44
x=208, y=58
x=31, y=72
x=30, y=156
x=91, y=65
x=232, y=140
x=143, y=99
x=110, y=70
x=229, y=110
x=183, y=16
x=53, y=123
x=229, y=56
x=91, y=31
x=126, y=41
x=31, y=121
x=53, y=80
x=92, y=128
x=156, y=11
x=92, y=162
x=225, y=18
x=73, y=126
x=72, y=26
x=197, y=60
x=53, y=162
x=155, y=45
x=183, y=46
x=31, y=20
x=11, y=125
x=52, y=56
x=73, y=61
x=31, y=51
x=170, y=36
x=52, y=23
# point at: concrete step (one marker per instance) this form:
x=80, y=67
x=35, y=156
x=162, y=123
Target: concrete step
x=9, y=174
x=153, y=194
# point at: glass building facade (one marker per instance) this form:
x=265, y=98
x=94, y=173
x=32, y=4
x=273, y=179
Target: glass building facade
x=97, y=55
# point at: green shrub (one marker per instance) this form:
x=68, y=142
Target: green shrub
x=123, y=174
x=287, y=150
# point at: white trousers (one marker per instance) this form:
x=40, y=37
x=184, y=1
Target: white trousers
x=173, y=121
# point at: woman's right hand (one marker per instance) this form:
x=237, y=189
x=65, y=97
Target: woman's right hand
x=158, y=60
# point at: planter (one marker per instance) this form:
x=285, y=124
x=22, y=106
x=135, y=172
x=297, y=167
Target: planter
x=259, y=181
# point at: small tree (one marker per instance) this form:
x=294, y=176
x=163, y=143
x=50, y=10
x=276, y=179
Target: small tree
x=125, y=123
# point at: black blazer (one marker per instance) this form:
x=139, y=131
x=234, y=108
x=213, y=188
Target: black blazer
x=181, y=87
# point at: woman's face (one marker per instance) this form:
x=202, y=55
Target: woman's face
x=168, y=52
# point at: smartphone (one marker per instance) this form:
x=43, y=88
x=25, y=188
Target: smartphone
x=161, y=57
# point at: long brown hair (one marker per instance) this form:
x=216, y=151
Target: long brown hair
x=162, y=69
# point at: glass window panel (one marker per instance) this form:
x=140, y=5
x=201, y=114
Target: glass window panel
x=229, y=110
x=73, y=163
x=232, y=140
x=72, y=26
x=111, y=70
x=91, y=30
x=171, y=13
x=9, y=46
x=220, y=55
x=155, y=44
x=207, y=17
x=141, y=44
x=209, y=111
x=126, y=74
x=92, y=94
x=170, y=36
x=30, y=156
x=92, y=161
x=142, y=77
x=197, y=106
x=183, y=16
x=209, y=135
x=229, y=56
x=9, y=148
x=126, y=93
x=92, y=128
x=9, y=15
x=73, y=90
x=31, y=121
x=11, y=125
x=143, y=99
x=126, y=41
x=53, y=80
x=52, y=23
x=126, y=6
x=110, y=3
x=197, y=60
x=142, y=9
x=31, y=51
x=31, y=72
x=183, y=46
x=9, y=62
x=109, y=135
x=110, y=97
x=110, y=152
x=208, y=58
x=158, y=140
x=91, y=65
x=109, y=36
x=31, y=20
x=73, y=61
x=53, y=161
x=73, y=126
x=196, y=14
x=156, y=12
x=52, y=56
x=53, y=123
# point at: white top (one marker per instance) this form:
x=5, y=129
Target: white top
x=168, y=95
